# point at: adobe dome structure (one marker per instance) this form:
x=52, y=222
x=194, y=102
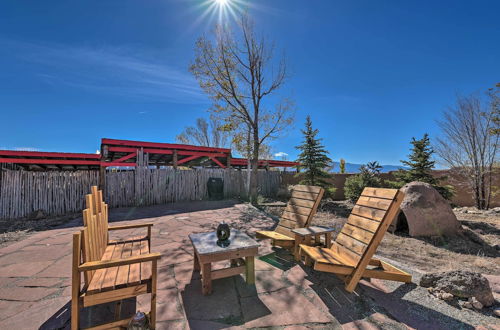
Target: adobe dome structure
x=427, y=213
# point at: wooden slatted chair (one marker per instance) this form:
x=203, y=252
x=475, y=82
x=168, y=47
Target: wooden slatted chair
x=352, y=252
x=298, y=214
x=113, y=270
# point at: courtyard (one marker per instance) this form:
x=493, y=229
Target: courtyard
x=35, y=282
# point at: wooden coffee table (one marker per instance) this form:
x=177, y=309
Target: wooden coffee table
x=207, y=251
x=304, y=236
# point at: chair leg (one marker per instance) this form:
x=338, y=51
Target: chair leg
x=153, y=295
x=75, y=314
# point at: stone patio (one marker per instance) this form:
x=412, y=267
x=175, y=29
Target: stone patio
x=35, y=284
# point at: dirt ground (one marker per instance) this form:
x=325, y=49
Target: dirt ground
x=15, y=230
x=476, y=249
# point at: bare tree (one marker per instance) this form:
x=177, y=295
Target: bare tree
x=205, y=133
x=240, y=74
x=468, y=146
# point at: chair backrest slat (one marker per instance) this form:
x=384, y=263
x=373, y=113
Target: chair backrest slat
x=95, y=233
x=368, y=222
x=300, y=209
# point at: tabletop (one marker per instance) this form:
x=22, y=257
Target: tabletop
x=313, y=230
x=206, y=243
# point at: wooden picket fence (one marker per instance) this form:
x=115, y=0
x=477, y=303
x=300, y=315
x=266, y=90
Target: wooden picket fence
x=62, y=192
x=55, y=193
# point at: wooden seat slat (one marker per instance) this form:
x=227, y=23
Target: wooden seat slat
x=307, y=189
x=351, y=244
x=145, y=266
x=284, y=231
x=374, y=202
x=305, y=211
x=288, y=223
x=358, y=233
x=300, y=220
x=365, y=223
x=96, y=282
x=379, y=192
x=123, y=271
x=109, y=279
x=275, y=235
x=304, y=195
x=134, y=276
x=368, y=212
x=301, y=202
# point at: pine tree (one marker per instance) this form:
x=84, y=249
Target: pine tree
x=313, y=158
x=420, y=165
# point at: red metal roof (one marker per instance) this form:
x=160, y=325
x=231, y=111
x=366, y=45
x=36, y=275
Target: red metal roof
x=124, y=153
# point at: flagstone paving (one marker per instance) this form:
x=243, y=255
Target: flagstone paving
x=35, y=280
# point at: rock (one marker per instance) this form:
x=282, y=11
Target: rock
x=462, y=284
x=467, y=304
x=427, y=212
x=476, y=304
x=496, y=312
x=447, y=296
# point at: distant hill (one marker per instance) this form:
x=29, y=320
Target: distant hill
x=354, y=168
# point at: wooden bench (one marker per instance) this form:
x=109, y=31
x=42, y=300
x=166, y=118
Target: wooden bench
x=113, y=270
x=298, y=214
x=352, y=252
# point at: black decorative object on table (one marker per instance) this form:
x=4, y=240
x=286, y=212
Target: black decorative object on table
x=223, y=233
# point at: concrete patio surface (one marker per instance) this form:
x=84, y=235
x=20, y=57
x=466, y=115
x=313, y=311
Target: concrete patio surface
x=35, y=283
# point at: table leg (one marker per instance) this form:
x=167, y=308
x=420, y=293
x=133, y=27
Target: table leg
x=328, y=240
x=296, y=251
x=196, y=262
x=317, y=240
x=250, y=269
x=206, y=278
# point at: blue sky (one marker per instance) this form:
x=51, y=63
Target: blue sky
x=372, y=74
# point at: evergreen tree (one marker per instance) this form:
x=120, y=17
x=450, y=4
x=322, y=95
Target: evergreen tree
x=420, y=165
x=313, y=158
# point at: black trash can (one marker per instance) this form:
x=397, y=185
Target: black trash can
x=215, y=188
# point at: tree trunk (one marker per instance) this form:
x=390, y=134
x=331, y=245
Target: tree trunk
x=254, y=180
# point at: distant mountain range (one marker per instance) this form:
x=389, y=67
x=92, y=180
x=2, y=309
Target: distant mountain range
x=354, y=168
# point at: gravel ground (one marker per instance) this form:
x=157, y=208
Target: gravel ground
x=474, y=250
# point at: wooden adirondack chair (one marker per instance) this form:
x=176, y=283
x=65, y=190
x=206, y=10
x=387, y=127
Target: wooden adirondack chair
x=113, y=270
x=298, y=214
x=351, y=253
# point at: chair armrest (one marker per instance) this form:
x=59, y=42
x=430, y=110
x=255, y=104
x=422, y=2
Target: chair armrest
x=138, y=225
x=93, y=265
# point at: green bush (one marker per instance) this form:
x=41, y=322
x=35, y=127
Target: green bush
x=368, y=177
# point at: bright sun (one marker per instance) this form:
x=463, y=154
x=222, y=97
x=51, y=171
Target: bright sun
x=222, y=2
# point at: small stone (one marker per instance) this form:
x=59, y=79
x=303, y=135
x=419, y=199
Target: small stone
x=467, y=304
x=431, y=289
x=496, y=312
x=447, y=296
x=476, y=304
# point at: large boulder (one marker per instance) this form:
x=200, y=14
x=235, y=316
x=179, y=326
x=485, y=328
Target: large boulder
x=462, y=284
x=427, y=212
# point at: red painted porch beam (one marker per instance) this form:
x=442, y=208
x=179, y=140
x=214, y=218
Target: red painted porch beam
x=217, y=162
x=48, y=154
x=128, y=143
x=187, y=159
x=119, y=160
x=167, y=152
x=107, y=164
x=49, y=161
